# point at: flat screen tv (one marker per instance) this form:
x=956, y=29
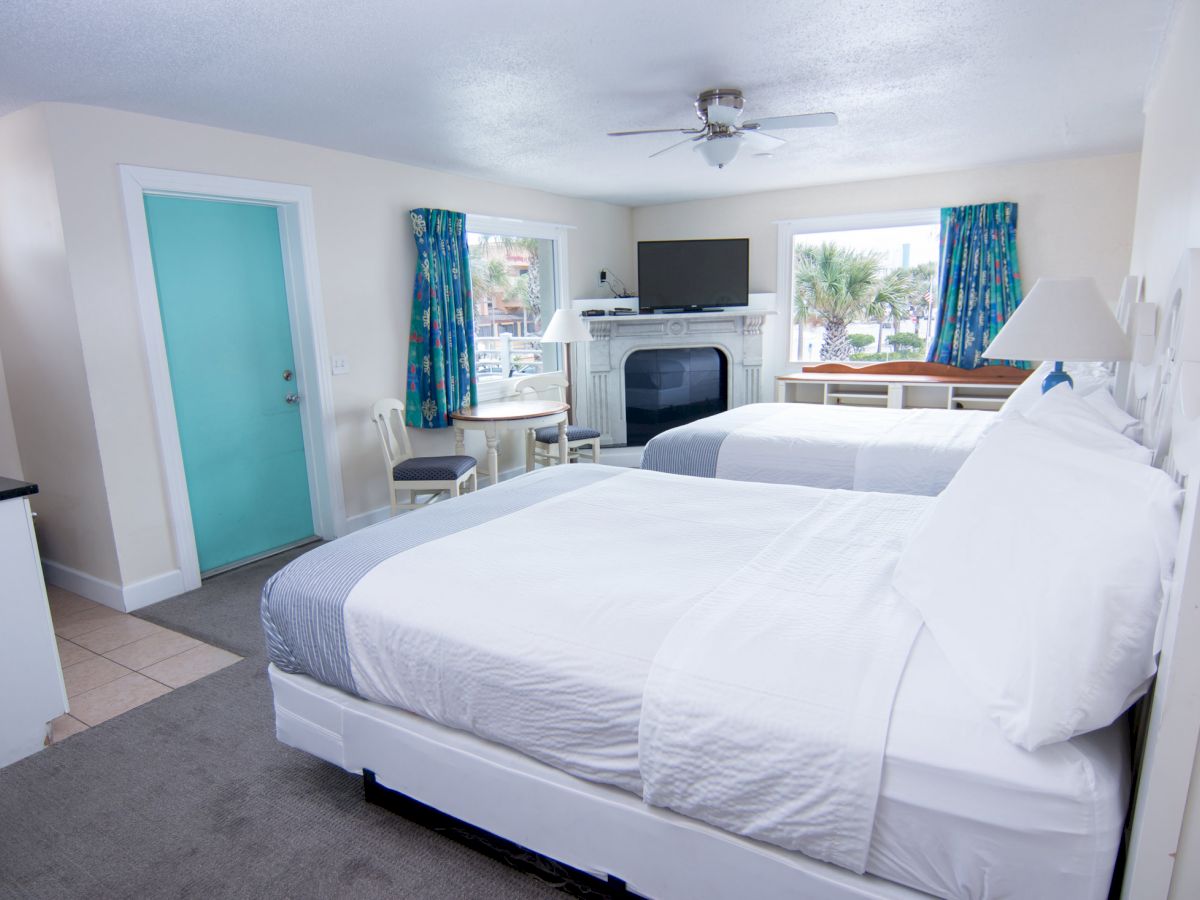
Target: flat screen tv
x=693, y=274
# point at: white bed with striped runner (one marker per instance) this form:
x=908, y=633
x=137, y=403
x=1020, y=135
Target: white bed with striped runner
x=901, y=451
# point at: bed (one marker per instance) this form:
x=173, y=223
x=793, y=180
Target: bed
x=908, y=451
x=538, y=659
x=952, y=808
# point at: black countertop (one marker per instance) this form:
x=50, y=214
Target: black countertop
x=10, y=488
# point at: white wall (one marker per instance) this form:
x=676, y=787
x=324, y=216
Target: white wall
x=10, y=456
x=1168, y=208
x=1075, y=217
x=366, y=257
x=47, y=384
x=1167, y=223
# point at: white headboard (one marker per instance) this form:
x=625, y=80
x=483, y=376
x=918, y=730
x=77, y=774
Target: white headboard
x=1128, y=303
x=1165, y=393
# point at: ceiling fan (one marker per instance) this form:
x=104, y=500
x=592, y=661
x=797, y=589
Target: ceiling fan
x=722, y=133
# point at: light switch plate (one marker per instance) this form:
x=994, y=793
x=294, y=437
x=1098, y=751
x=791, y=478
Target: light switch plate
x=340, y=365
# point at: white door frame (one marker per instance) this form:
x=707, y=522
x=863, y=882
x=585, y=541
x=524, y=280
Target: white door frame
x=297, y=238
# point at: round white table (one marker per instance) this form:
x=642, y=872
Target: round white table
x=493, y=417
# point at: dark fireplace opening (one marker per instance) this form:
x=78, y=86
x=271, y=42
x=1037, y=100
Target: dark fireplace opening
x=668, y=387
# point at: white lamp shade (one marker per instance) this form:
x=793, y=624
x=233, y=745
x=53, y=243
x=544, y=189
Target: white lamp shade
x=719, y=150
x=566, y=327
x=1061, y=319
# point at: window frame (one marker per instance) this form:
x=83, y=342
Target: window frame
x=495, y=389
x=789, y=229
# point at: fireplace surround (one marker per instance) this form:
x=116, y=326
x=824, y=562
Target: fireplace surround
x=598, y=371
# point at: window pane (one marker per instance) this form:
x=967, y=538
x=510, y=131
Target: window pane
x=865, y=295
x=513, y=288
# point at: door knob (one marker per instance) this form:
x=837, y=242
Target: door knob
x=292, y=398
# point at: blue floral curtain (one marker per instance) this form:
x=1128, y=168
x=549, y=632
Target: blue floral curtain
x=441, y=348
x=980, y=282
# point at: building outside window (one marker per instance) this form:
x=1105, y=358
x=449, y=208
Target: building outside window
x=861, y=289
x=517, y=280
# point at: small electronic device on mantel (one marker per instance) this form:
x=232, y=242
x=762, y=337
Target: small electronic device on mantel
x=693, y=276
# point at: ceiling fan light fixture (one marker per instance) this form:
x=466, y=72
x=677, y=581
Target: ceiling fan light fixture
x=720, y=149
x=722, y=132
x=720, y=106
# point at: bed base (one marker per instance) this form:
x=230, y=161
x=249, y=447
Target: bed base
x=599, y=831
x=568, y=880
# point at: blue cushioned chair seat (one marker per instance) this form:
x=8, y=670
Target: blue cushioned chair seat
x=433, y=468
x=549, y=434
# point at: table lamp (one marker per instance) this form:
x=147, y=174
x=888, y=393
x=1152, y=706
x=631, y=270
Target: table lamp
x=1064, y=320
x=567, y=327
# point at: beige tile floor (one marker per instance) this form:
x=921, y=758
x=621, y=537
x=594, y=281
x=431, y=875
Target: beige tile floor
x=113, y=662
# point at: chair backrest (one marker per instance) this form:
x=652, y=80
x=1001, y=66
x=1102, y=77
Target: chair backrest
x=549, y=382
x=395, y=450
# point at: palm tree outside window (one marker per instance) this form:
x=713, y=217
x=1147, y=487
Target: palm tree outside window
x=863, y=295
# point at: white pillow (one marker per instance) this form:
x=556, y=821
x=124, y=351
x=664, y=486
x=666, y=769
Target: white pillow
x=1073, y=417
x=1104, y=403
x=1039, y=572
x=1088, y=377
x=1027, y=392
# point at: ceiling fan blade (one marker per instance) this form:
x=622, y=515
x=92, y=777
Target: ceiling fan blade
x=809, y=120
x=762, y=140
x=690, y=140
x=656, y=131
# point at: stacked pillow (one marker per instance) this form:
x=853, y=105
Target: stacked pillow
x=1040, y=569
x=1091, y=382
x=1104, y=404
x=1087, y=422
x=1088, y=377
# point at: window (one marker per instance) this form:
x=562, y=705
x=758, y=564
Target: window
x=517, y=280
x=861, y=289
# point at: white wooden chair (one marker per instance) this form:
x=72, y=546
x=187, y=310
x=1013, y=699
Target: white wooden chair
x=416, y=475
x=541, y=444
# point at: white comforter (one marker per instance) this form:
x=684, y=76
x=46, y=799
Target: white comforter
x=743, y=614
x=772, y=694
x=908, y=451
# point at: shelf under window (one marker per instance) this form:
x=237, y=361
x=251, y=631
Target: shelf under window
x=988, y=403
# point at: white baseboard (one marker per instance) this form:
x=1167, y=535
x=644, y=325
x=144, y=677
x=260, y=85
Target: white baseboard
x=89, y=586
x=121, y=598
x=370, y=517
x=151, y=590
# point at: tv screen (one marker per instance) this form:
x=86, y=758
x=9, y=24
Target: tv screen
x=674, y=274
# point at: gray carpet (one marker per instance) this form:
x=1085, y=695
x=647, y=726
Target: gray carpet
x=192, y=796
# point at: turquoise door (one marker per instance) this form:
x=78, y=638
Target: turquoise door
x=221, y=292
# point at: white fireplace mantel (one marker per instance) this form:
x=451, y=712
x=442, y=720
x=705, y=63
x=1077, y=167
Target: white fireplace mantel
x=598, y=367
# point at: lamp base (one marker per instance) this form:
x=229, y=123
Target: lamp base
x=1056, y=377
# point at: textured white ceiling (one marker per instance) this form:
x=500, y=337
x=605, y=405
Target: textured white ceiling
x=523, y=92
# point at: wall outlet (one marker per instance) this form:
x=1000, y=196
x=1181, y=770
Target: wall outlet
x=603, y=276
x=340, y=365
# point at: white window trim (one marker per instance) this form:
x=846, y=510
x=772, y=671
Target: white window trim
x=790, y=228
x=498, y=388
